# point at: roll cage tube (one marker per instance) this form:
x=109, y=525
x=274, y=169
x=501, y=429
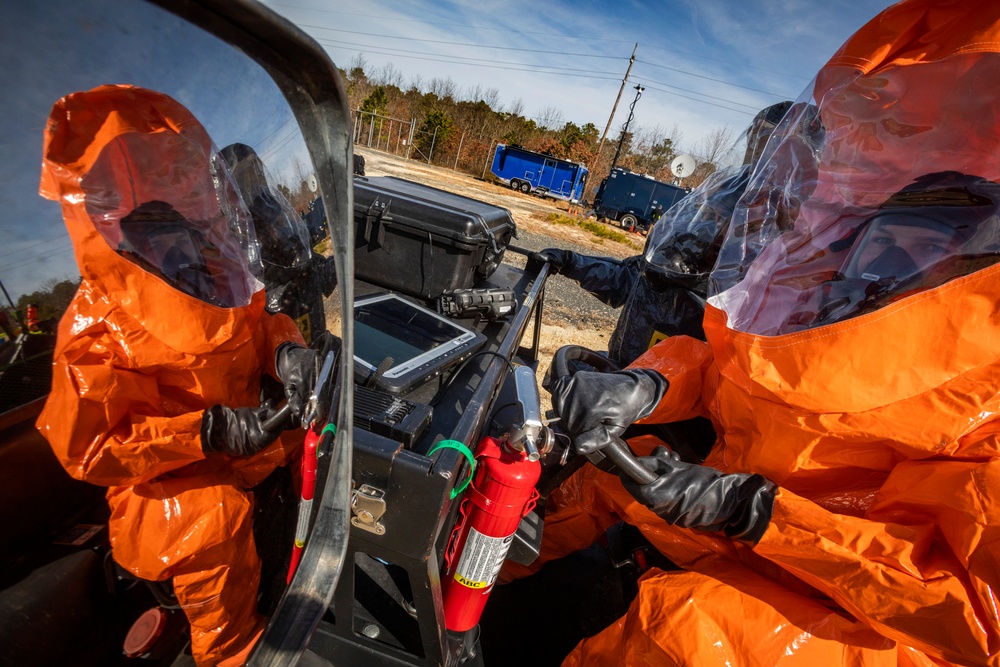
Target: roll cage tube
x=312, y=87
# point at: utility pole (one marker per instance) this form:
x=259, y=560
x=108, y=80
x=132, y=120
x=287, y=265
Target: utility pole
x=607, y=127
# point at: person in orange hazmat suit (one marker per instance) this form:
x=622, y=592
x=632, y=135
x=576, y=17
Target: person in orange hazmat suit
x=158, y=368
x=847, y=513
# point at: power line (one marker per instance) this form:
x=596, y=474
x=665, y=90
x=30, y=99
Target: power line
x=37, y=243
x=485, y=60
x=452, y=25
x=275, y=131
x=615, y=78
x=603, y=38
x=708, y=78
x=693, y=99
x=673, y=69
x=591, y=38
x=512, y=69
x=281, y=143
x=37, y=258
x=673, y=52
x=695, y=92
x=451, y=43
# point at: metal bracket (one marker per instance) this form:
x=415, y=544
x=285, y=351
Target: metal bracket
x=368, y=506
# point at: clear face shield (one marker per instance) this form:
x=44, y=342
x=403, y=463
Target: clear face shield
x=873, y=187
x=682, y=247
x=161, y=202
x=904, y=251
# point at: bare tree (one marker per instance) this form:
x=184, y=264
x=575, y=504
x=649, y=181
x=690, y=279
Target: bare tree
x=387, y=75
x=716, y=147
x=475, y=93
x=550, y=118
x=492, y=98
x=444, y=88
x=516, y=107
x=358, y=62
x=416, y=83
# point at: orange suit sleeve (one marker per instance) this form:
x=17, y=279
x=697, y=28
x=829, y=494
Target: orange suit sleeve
x=684, y=362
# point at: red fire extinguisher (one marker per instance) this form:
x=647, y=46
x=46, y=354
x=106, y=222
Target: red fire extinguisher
x=501, y=494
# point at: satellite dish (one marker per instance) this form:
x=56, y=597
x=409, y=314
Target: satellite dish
x=683, y=165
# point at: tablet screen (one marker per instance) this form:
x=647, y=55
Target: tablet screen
x=390, y=326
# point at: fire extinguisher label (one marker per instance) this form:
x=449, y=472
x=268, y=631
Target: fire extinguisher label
x=482, y=559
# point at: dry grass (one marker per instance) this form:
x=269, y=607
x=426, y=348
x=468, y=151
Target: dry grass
x=600, y=230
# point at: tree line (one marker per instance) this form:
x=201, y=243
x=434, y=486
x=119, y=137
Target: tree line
x=459, y=130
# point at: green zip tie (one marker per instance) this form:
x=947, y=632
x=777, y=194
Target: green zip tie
x=329, y=428
x=466, y=452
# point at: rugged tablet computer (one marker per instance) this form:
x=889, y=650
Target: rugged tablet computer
x=399, y=344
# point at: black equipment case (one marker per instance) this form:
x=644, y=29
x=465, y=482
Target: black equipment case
x=422, y=241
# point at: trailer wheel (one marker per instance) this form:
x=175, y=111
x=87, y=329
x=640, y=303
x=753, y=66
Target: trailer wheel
x=629, y=221
x=515, y=184
x=526, y=187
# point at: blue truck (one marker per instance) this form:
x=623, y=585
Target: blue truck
x=542, y=174
x=634, y=200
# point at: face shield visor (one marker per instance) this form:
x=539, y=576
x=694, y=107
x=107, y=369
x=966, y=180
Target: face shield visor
x=281, y=232
x=855, y=153
x=682, y=247
x=920, y=239
x=161, y=202
x=757, y=135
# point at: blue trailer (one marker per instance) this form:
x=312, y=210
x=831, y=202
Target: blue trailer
x=634, y=200
x=546, y=175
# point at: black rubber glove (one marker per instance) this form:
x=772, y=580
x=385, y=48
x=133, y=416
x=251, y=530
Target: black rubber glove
x=596, y=408
x=239, y=432
x=559, y=259
x=696, y=496
x=296, y=366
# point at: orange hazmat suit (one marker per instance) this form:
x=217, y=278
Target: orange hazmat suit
x=880, y=429
x=138, y=361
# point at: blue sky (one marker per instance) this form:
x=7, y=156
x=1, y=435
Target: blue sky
x=705, y=64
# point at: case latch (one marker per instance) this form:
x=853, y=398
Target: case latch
x=368, y=506
x=376, y=217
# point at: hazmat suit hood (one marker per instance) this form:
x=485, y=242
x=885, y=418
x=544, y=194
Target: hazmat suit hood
x=127, y=164
x=682, y=247
x=668, y=298
x=140, y=354
x=280, y=231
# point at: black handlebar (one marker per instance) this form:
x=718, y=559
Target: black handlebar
x=278, y=418
x=619, y=453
